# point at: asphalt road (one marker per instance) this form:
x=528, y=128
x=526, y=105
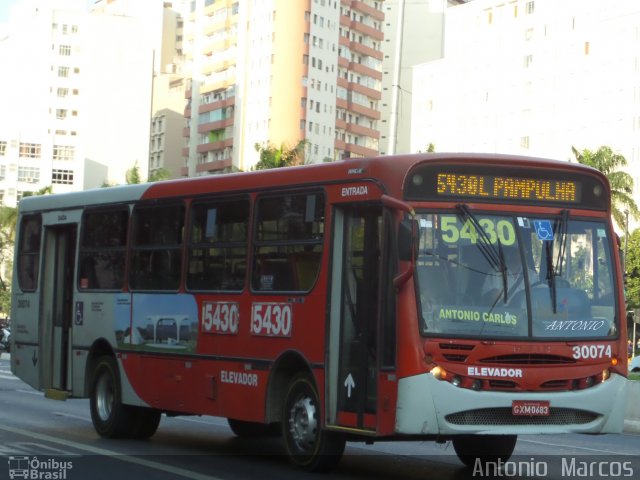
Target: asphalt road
x=57, y=440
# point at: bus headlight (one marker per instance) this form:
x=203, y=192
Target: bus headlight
x=439, y=372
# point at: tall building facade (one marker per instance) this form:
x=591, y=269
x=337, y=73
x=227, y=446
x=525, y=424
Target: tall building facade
x=74, y=113
x=413, y=35
x=534, y=77
x=281, y=72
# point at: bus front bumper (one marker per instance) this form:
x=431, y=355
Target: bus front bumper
x=427, y=406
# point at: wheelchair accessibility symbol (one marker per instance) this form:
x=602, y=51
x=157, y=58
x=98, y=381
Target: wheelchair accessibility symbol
x=544, y=230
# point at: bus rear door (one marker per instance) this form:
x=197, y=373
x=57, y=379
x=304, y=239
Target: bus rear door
x=57, y=306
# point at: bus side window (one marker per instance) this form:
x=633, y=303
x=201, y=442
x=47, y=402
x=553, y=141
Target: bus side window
x=217, y=245
x=157, y=247
x=288, y=241
x=29, y=252
x=103, y=246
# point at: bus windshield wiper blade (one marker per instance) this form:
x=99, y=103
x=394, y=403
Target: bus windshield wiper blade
x=561, y=227
x=554, y=269
x=493, y=254
x=551, y=275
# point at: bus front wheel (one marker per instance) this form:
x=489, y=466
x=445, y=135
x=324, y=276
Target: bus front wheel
x=308, y=445
x=484, y=448
x=111, y=419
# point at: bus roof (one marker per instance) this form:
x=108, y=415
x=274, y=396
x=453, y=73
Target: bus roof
x=390, y=171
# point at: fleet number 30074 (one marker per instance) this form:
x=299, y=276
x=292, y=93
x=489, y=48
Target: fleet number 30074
x=591, y=351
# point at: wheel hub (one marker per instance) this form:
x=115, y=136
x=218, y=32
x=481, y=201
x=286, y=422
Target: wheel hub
x=303, y=423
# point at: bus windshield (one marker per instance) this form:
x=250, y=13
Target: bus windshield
x=536, y=277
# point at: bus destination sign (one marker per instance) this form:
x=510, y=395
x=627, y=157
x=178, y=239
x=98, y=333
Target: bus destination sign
x=496, y=187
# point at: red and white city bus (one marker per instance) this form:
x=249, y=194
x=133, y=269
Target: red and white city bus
x=460, y=297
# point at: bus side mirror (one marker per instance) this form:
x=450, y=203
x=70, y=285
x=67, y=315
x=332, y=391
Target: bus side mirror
x=407, y=235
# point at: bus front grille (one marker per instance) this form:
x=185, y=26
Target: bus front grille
x=503, y=416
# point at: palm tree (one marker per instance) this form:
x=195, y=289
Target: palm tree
x=609, y=163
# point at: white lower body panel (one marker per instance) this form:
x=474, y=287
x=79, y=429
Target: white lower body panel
x=427, y=406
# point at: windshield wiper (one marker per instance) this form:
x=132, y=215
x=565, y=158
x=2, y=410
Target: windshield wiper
x=555, y=269
x=493, y=254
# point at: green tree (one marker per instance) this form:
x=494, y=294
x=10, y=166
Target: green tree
x=610, y=163
x=159, y=175
x=274, y=157
x=133, y=175
x=632, y=266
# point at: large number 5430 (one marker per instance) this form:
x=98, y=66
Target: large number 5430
x=271, y=319
x=220, y=317
x=495, y=230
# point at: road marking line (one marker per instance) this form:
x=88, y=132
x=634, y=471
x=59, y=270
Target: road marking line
x=520, y=439
x=109, y=453
x=67, y=415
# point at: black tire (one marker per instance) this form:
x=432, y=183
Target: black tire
x=484, y=448
x=145, y=422
x=307, y=444
x=245, y=429
x=111, y=419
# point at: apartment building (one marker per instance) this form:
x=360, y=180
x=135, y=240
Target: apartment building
x=534, y=77
x=281, y=72
x=74, y=111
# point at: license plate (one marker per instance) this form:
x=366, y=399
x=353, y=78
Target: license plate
x=530, y=408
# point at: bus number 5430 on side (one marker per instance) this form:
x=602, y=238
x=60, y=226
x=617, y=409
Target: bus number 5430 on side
x=271, y=319
x=220, y=317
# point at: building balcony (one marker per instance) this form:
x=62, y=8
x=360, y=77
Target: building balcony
x=366, y=9
x=369, y=92
x=363, y=28
x=349, y=148
x=357, y=108
x=364, y=50
x=186, y=132
x=364, y=70
x=208, y=127
x=213, y=146
x=361, y=130
x=213, y=167
x=227, y=102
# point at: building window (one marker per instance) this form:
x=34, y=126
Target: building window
x=63, y=72
x=529, y=7
x=62, y=177
x=28, y=174
x=524, y=142
x=61, y=113
x=63, y=152
x=63, y=92
x=528, y=60
x=64, y=50
x=3, y=148
x=30, y=150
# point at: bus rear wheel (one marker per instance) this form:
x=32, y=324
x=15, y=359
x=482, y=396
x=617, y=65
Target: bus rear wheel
x=111, y=419
x=145, y=422
x=484, y=448
x=308, y=445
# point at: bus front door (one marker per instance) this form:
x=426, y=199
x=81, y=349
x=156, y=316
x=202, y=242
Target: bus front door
x=353, y=373
x=57, y=307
